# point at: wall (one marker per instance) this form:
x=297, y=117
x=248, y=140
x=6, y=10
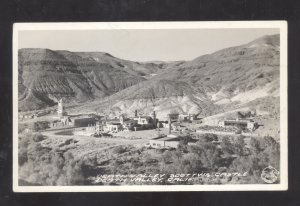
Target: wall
x=172, y=144
x=227, y=133
x=157, y=143
x=83, y=122
x=163, y=144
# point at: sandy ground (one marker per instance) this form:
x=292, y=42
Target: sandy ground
x=85, y=145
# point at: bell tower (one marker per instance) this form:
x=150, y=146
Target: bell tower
x=60, y=108
x=154, y=119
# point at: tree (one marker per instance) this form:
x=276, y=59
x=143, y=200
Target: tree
x=271, y=152
x=264, y=152
x=239, y=145
x=44, y=166
x=249, y=164
x=191, y=163
x=255, y=146
x=209, y=154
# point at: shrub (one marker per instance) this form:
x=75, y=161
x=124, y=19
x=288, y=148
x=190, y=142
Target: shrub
x=40, y=125
x=207, y=138
x=43, y=166
x=167, y=157
x=22, y=127
x=182, y=146
x=191, y=163
x=38, y=137
x=119, y=150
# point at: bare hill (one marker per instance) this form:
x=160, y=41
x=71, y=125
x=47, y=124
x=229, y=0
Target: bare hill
x=46, y=75
x=214, y=83
x=240, y=68
x=222, y=81
x=135, y=68
x=162, y=96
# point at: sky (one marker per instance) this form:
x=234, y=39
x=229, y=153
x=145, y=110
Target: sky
x=142, y=45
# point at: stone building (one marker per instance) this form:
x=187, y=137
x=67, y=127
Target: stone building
x=125, y=124
x=75, y=121
x=113, y=127
x=170, y=141
x=128, y=125
x=188, y=117
x=239, y=123
x=146, y=122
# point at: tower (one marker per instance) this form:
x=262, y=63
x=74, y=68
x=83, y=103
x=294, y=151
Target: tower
x=153, y=115
x=121, y=119
x=60, y=108
x=169, y=122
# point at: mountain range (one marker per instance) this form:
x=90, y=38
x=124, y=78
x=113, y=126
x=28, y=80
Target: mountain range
x=230, y=78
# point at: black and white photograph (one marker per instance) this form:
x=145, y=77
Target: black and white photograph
x=150, y=106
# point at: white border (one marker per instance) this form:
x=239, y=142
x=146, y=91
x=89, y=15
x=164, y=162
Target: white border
x=282, y=25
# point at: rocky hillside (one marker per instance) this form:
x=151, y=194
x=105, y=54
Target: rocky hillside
x=159, y=95
x=222, y=81
x=134, y=68
x=244, y=67
x=226, y=80
x=46, y=76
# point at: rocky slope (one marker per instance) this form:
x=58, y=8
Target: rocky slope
x=244, y=67
x=226, y=80
x=134, y=68
x=46, y=76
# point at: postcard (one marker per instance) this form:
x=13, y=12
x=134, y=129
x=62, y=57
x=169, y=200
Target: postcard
x=150, y=106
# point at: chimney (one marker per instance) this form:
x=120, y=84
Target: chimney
x=169, y=121
x=154, y=119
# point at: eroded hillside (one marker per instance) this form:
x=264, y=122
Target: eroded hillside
x=46, y=76
x=226, y=80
